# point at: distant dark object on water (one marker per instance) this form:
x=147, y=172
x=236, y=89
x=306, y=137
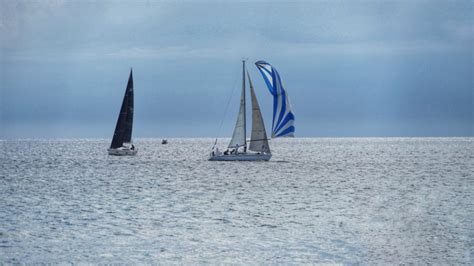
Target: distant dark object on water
x=164, y=141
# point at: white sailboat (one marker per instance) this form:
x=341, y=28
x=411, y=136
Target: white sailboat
x=258, y=149
x=122, y=140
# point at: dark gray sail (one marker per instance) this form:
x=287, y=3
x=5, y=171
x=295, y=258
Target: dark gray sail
x=127, y=138
x=123, y=129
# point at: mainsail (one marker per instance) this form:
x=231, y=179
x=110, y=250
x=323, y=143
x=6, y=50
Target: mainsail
x=239, y=136
x=258, y=137
x=123, y=129
x=283, y=117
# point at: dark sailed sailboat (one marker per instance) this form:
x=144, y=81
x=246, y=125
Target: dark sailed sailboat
x=122, y=140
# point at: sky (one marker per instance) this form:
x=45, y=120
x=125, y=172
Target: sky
x=351, y=68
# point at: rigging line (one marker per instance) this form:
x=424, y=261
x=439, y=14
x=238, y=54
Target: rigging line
x=226, y=109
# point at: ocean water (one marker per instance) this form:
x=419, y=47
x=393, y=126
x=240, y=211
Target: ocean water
x=321, y=200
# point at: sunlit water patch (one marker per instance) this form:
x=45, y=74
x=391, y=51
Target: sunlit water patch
x=375, y=200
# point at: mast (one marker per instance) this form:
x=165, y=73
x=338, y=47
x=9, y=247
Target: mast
x=245, y=113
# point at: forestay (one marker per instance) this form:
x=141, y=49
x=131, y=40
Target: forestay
x=283, y=117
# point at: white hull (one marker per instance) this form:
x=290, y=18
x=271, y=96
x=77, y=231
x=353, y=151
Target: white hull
x=241, y=157
x=122, y=151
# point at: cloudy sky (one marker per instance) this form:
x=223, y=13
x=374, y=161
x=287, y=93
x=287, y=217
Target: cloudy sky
x=351, y=68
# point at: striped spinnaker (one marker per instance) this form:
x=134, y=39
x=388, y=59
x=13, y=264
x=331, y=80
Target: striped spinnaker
x=283, y=117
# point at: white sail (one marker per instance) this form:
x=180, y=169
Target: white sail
x=239, y=135
x=258, y=137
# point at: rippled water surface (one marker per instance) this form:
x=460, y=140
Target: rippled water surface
x=360, y=200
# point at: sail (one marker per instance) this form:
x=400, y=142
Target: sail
x=123, y=129
x=283, y=117
x=258, y=137
x=127, y=138
x=239, y=135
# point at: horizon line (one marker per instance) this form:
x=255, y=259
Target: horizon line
x=306, y=137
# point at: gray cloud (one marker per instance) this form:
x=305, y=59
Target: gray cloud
x=387, y=67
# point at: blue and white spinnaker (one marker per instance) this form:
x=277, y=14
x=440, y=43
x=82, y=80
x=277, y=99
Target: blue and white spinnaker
x=283, y=117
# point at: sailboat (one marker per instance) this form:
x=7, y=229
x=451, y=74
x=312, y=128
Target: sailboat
x=237, y=148
x=122, y=139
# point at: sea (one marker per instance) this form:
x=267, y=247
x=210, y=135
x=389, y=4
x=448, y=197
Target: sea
x=319, y=200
